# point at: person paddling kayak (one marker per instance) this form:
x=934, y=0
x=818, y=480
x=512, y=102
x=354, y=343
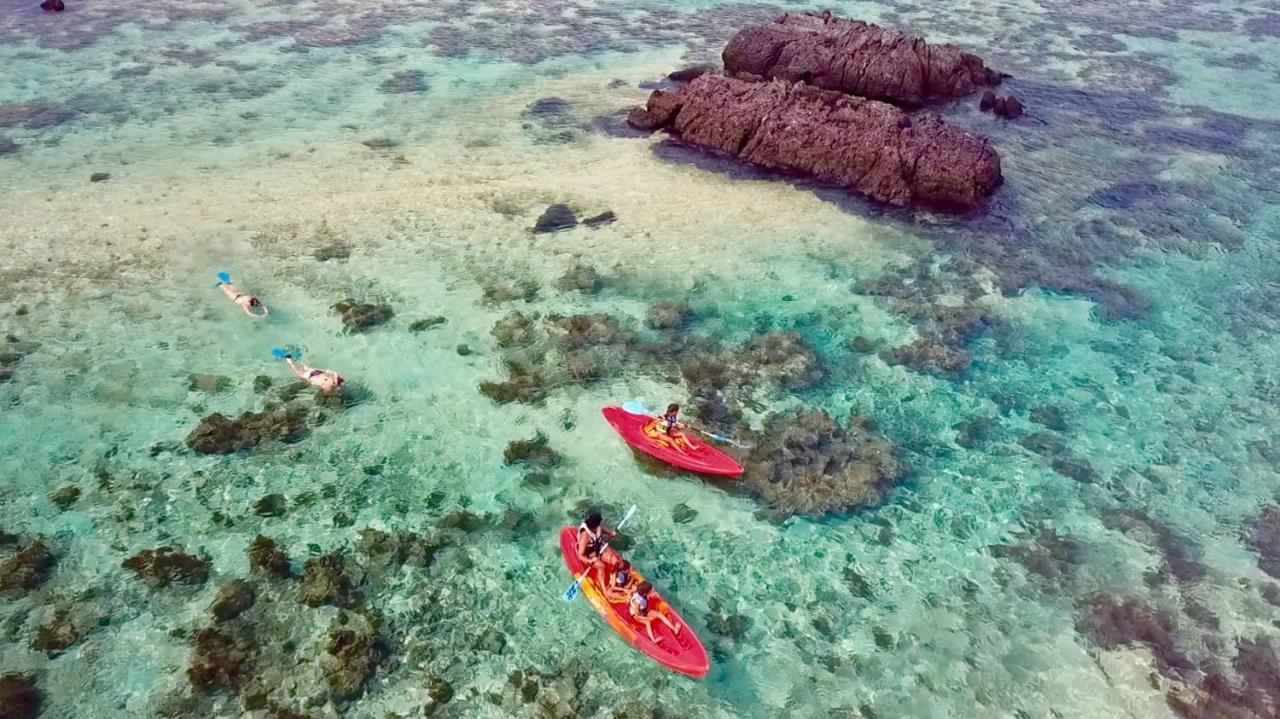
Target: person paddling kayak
x=668, y=428
x=642, y=612
x=244, y=300
x=326, y=381
x=591, y=539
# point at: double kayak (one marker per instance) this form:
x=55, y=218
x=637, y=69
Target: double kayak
x=679, y=652
x=643, y=433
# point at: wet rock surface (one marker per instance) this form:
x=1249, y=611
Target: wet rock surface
x=855, y=57
x=164, y=566
x=867, y=146
x=806, y=463
x=218, y=434
x=20, y=697
x=25, y=569
x=362, y=316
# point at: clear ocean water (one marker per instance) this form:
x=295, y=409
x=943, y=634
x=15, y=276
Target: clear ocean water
x=1129, y=265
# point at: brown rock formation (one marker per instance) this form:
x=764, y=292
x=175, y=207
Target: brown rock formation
x=855, y=57
x=865, y=145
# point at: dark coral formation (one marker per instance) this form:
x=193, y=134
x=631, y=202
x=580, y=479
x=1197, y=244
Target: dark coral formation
x=20, y=697
x=932, y=357
x=1264, y=538
x=855, y=57
x=1049, y=555
x=516, y=329
x=536, y=451
x=352, y=659
x=1177, y=554
x=1112, y=622
x=325, y=581
x=668, y=314
x=218, y=434
x=362, y=316
x=267, y=559
x=221, y=659
x=57, y=633
x=804, y=462
x=26, y=569
x=164, y=566
x=232, y=600
x=865, y=145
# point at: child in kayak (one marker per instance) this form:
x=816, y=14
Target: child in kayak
x=591, y=540
x=326, y=381
x=244, y=300
x=618, y=579
x=667, y=429
x=643, y=611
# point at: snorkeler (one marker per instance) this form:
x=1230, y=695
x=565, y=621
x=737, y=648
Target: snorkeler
x=246, y=301
x=326, y=381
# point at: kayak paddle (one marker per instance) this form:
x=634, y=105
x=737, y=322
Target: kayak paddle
x=634, y=407
x=571, y=593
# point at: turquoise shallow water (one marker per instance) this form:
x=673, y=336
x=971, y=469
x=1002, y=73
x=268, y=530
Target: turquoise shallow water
x=1129, y=264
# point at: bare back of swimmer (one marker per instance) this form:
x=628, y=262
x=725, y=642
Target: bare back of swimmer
x=244, y=300
x=326, y=381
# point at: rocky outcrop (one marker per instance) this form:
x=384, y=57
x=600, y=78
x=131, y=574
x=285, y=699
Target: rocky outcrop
x=19, y=696
x=806, y=463
x=267, y=559
x=232, y=600
x=855, y=57
x=27, y=569
x=865, y=145
x=361, y=316
x=166, y=565
x=218, y=434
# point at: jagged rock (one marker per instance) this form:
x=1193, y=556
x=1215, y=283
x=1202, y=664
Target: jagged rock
x=608, y=217
x=325, y=581
x=271, y=505
x=1008, y=107
x=56, y=634
x=689, y=74
x=233, y=598
x=668, y=314
x=865, y=145
x=427, y=323
x=267, y=559
x=556, y=218
x=536, y=451
x=65, y=497
x=19, y=696
x=52, y=6
x=163, y=566
x=27, y=569
x=855, y=57
x=582, y=278
x=353, y=657
x=925, y=355
x=516, y=329
x=221, y=660
x=805, y=463
x=219, y=435
x=100, y=177
x=361, y=316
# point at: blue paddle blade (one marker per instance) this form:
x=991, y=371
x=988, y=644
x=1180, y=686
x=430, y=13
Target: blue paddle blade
x=634, y=407
x=279, y=353
x=571, y=593
x=224, y=278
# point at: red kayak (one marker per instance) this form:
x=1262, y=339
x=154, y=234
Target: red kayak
x=679, y=652
x=643, y=433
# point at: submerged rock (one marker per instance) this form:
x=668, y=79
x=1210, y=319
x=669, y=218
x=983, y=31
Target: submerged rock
x=516, y=329
x=805, y=463
x=1050, y=417
x=53, y=6
x=867, y=146
x=608, y=217
x=582, y=278
x=8, y=146
x=536, y=451
x=408, y=81
x=556, y=218
x=1264, y=538
x=65, y=497
x=526, y=385
x=219, y=435
x=325, y=581
x=925, y=355
x=267, y=559
x=689, y=74
x=526, y=290
x=19, y=696
x=427, y=323
x=668, y=314
x=221, y=660
x=27, y=569
x=271, y=505
x=164, y=566
x=100, y=177
x=1177, y=553
x=360, y=316
x=332, y=251
x=351, y=661
x=855, y=57
x=1110, y=622
x=1052, y=556
x=56, y=634
x=784, y=358
x=232, y=600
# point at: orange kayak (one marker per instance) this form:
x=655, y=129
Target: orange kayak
x=643, y=433
x=679, y=652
